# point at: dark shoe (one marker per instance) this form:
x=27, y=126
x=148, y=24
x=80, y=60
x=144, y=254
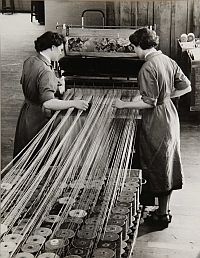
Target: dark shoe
x=155, y=212
x=158, y=220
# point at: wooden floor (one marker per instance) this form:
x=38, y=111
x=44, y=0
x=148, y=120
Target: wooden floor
x=182, y=238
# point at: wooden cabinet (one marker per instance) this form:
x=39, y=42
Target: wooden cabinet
x=189, y=61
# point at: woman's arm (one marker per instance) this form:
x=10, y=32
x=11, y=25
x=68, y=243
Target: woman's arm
x=136, y=103
x=56, y=104
x=178, y=93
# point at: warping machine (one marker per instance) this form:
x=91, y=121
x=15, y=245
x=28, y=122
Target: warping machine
x=74, y=191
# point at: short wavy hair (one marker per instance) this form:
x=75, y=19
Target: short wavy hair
x=145, y=38
x=47, y=40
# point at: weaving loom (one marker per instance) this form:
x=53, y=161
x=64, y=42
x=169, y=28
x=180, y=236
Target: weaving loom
x=72, y=192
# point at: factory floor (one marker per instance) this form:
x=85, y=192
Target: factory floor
x=182, y=237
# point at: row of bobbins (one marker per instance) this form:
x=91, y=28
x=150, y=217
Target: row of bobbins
x=117, y=231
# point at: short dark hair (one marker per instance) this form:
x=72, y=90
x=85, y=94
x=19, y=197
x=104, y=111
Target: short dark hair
x=47, y=40
x=145, y=38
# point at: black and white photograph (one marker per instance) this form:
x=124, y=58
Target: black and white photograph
x=100, y=129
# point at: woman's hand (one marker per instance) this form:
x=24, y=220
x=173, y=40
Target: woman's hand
x=81, y=104
x=61, y=85
x=118, y=103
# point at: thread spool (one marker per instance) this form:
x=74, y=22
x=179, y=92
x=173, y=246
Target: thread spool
x=78, y=213
x=65, y=234
x=72, y=256
x=55, y=245
x=24, y=255
x=72, y=223
x=89, y=227
x=99, y=208
x=15, y=238
x=124, y=246
x=128, y=202
x=103, y=253
x=109, y=238
x=118, y=230
x=50, y=221
x=36, y=239
x=82, y=243
x=4, y=254
x=122, y=210
x=48, y=255
x=92, y=221
x=122, y=223
x=31, y=248
x=7, y=247
x=42, y=231
x=18, y=230
x=78, y=251
x=86, y=234
x=137, y=192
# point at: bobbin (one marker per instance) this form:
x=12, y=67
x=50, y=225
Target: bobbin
x=128, y=202
x=7, y=247
x=36, y=239
x=122, y=223
x=82, y=243
x=92, y=221
x=5, y=254
x=103, y=253
x=50, y=221
x=15, y=238
x=78, y=213
x=72, y=256
x=72, y=223
x=136, y=184
x=130, y=198
x=109, y=239
x=42, y=231
x=24, y=255
x=31, y=248
x=122, y=210
x=118, y=230
x=48, y=255
x=65, y=234
x=55, y=245
x=86, y=234
x=78, y=251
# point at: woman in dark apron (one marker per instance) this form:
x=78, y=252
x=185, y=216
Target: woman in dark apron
x=39, y=84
